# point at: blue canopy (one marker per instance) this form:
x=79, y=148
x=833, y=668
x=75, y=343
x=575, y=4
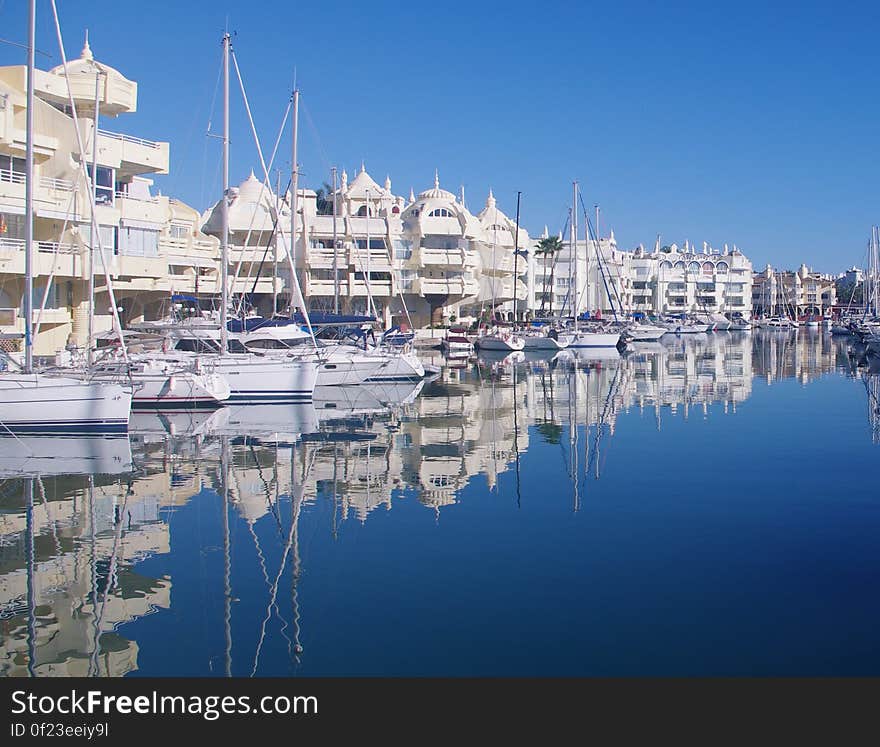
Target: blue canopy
x=178, y=297
x=256, y=322
x=325, y=319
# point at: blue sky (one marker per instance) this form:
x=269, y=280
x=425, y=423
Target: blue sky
x=745, y=123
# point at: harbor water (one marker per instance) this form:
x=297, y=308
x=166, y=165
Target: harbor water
x=704, y=505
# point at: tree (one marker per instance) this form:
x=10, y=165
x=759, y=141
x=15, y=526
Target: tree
x=324, y=200
x=549, y=246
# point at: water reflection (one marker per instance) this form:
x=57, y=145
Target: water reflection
x=78, y=517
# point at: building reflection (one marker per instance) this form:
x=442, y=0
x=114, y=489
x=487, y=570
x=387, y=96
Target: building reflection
x=76, y=517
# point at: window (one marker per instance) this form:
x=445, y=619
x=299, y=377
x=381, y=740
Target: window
x=107, y=236
x=105, y=183
x=402, y=248
x=11, y=226
x=722, y=267
x=179, y=230
x=37, y=297
x=708, y=268
x=441, y=213
x=11, y=169
x=694, y=267
x=138, y=242
x=679, y=265
x=395, y=210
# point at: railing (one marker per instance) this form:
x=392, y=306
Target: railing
x=18, y=177
x=11, y=245
x=13, y=177
x=130, y=139
x=60, y=185
x=52, y=247
x=127, y=196
x=47, y=247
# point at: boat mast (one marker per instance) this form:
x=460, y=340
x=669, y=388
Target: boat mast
x=277, y=230
x=224, y=205
x=574, y=253
x=29, y=196
x=516, y=266
x=294, y=189
x=90, y=355
x=335, y=249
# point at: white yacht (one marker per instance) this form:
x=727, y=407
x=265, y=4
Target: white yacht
x=43, y=403
x=500, y=340
x=339, y=364
x=643, y=332
x=590, y=338
x=551, y=340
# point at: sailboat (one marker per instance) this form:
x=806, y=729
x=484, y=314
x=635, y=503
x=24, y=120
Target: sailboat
x=253, y=378
x=583, y=336
x=32, y=402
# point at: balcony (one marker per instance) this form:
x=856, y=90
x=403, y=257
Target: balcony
x=378, y=288
x=378, y=260
x=441, y=257
x=322, y=258
x=133, y=153
x=324, y=287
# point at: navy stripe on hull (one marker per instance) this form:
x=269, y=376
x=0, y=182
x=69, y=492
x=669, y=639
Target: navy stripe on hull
x=412, y=377
x=270, y=397
x=175, y=404
x=107, y=426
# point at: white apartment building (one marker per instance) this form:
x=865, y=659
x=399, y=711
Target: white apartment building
x=664, y=281
x=151, y=244
x=428, y=259
x=802, y=291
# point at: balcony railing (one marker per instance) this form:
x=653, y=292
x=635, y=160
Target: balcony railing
x=136, y=198
x=130, y=139
x=54, y=247
x=59, y=185
x=12, y=177
x=8, y=246
x=47, y=182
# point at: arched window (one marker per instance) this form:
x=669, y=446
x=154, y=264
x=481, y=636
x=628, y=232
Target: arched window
x=440, y=213
x=666, y=265
x=708, y=268
x=679, y=265
x=694, y=267
x=362, y=211
x=395, y=210
x=722, y=267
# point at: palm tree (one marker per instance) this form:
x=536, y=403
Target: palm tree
x=324, y=200
x=549, y=246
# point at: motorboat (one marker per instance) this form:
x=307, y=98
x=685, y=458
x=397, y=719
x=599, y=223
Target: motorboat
x=642, y=332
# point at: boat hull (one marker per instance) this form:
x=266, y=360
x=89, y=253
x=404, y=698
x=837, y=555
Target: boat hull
x=592, y=340
x=543, y=343
x=267, y=380
x=37, y=403
x=500, y=345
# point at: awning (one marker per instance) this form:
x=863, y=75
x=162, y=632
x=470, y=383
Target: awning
x=176, y=259
x=132, y=223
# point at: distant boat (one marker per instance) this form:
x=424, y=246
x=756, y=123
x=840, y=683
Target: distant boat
x=503, y=341
x=456, y=342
